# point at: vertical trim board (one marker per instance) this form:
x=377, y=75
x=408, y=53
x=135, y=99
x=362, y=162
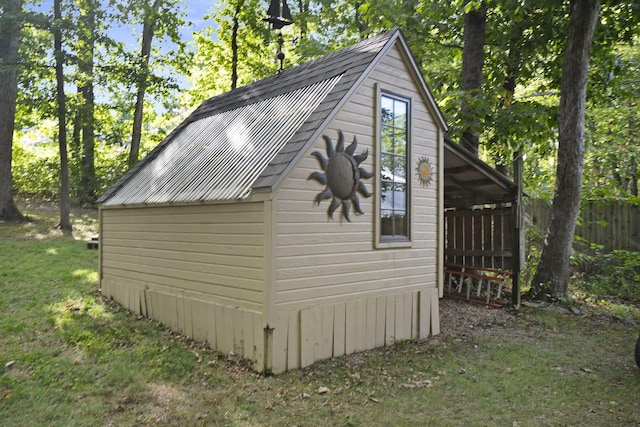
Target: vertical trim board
x=280, y=349
x=381, y=317
x=350, y=327
x=339, y=329
x=308, y=321
x=326, y=333
x=390, y=324
x=293, y=340
x=371, y=324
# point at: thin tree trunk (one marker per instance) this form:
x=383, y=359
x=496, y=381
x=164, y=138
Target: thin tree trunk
x=633, y=184
x=234, y=45
x=10, y=24
x=87, y=172
x=471, y=75
x=552, y=275
x=65, y=201
x=148, y=29
x=358, y=20
x=302, y=18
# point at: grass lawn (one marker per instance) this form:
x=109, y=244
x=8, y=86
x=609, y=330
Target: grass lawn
x=68, y=357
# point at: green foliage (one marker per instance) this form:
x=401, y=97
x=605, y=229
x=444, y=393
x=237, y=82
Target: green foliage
x=614, y=275
x=212, y=67
x=36, y=169
x=519, y=100
x=36, y=172
x=612, y=156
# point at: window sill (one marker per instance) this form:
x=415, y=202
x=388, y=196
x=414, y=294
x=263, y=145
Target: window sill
x=393, y=244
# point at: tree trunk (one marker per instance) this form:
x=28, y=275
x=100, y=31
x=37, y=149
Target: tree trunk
x=88, y=171
x=552, y=275
x=234, y=45
x=471, y=76
x=148, y=28
x=65, y=201
x=302, y=18
x=10, y=25
x=633, y=184
x=86, y=192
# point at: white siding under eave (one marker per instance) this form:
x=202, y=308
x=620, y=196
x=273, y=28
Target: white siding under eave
x=335, y=291
x=198, y=269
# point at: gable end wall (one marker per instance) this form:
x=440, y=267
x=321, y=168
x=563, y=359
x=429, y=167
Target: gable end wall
x=335, y=292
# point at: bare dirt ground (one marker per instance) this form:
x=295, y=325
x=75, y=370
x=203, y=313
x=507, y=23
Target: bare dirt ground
x=459, y=318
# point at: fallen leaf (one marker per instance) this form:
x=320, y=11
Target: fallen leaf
x=323, y=390
x=414, y=384
x=197, y=356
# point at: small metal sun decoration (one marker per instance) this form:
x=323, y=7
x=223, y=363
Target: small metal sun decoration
x=424, y=170
x=342, y=176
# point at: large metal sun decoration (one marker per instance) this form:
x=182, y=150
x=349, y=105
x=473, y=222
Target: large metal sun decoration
x=342, y=176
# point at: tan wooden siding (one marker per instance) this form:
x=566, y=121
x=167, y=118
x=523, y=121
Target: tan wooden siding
x=320, y=258
x=216, y=250
x=304, y=336
x=200, y=270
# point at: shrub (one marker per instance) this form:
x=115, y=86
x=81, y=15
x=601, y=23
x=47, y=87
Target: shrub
x=608, y=275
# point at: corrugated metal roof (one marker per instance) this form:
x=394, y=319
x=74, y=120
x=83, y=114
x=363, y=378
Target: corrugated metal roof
x=220, y=156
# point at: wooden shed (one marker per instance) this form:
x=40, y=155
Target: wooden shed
x=295, y=219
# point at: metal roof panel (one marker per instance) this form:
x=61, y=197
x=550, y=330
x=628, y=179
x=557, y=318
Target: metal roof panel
x=220, y=156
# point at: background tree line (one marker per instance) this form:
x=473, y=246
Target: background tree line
x=78, y=106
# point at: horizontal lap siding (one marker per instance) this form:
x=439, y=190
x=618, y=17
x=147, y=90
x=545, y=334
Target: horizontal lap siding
x=200, y=270
x=213, y=249
x=329, y=272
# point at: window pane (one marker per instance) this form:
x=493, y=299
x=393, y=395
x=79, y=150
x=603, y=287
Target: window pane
x=400, y=142
x=386, y=171
x=387, y=139
x=386, y=197
x=400, y=114
x=386, y=223
x=400, y=224
x=400, y=169
x=387, y=111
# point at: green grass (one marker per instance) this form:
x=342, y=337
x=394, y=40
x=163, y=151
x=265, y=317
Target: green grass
x=67, y=357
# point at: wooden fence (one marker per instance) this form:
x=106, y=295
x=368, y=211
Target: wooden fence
x=612, y=225
x=479, y=237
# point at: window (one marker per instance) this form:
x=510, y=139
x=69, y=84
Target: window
x=394, y=140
